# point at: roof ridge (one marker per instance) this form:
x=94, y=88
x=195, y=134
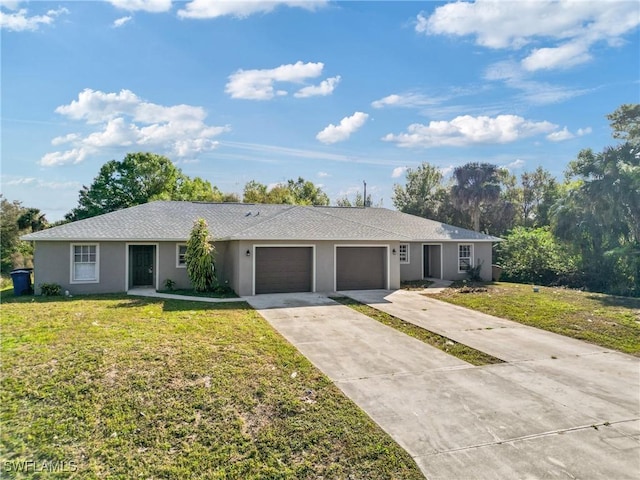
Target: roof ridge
x=326, y=212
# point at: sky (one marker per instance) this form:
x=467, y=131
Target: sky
x=335, y=92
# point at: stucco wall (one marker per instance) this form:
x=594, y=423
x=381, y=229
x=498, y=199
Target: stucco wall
x=243, y=278
x=52, y=264
x=481, y=254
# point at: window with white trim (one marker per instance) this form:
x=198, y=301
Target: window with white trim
x=181, y=252
x=403, y=252
x=84, y=263
x=465, y=257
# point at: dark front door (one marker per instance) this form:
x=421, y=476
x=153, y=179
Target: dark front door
x=141, y=265
x=426, y=259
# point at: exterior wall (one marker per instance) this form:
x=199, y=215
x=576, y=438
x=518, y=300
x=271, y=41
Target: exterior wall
x=242, y=280
x=482, y=254
x=52, y=264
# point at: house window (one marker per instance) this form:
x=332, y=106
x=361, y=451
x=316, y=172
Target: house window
x=403, y=252
x=181, y=251
x=84, y=263
x=465, y=260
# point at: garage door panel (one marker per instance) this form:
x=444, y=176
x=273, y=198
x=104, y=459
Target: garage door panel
x=284, y=269
x=360, y=268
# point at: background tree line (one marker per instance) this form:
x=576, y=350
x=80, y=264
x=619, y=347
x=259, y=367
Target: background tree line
x=582, y=232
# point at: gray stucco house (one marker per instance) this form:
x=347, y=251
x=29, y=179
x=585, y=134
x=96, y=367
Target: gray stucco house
x=260, y=248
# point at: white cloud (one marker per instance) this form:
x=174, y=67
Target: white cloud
x=467, y=130
x=583, y=131
x=537, y=93
x=515, y=165
x=326, y=87
x=121, y=21
x=398, y=172
x=123, y=120
x=39, y=183
x=571, y=27
x=20, y=21
x=242, y=9
x=323, y=174
x=341, y=132
x=407, y=100
x=560, y=135
x=258, y=84
x=153, y=6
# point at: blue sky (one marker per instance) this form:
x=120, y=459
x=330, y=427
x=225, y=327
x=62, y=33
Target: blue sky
x=335, y=92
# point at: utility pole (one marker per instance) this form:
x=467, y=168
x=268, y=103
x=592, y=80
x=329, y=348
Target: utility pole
x=364, y=200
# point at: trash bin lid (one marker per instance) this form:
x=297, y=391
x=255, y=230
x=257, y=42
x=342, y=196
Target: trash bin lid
x=21, y=270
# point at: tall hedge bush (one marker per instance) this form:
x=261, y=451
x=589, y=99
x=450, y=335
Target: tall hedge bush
x=200, y=257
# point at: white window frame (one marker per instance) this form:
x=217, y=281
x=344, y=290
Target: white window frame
x=470, y=257
x=404, y=254
x=178, y=264
x=72, y=263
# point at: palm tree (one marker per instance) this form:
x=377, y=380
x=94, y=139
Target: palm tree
x=476, y=184
x=32, y=218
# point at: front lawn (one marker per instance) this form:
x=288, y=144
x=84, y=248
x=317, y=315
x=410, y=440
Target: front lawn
x=606, y=320
x=122, y=387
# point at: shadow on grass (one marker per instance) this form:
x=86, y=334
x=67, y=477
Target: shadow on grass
x=613, y=301
x=188, y=305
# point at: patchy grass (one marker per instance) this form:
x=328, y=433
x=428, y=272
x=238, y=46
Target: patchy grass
x=463, y=352
x=415, y=284
x=118, y=387
x=606, y=320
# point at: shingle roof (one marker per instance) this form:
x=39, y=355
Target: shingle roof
x=172, y=221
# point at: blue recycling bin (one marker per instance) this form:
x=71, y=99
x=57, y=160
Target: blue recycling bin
x=21, y=278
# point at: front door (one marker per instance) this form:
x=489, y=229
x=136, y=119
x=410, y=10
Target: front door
x=426, y=259
x=141, y=265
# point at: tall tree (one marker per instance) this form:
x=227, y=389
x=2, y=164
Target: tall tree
x=625, y=122
x=539, y=191
x=476, y=185
x=140, y=178
x=422, y=193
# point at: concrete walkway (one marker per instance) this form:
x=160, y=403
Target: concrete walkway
x=558, y=409
x=150, y=292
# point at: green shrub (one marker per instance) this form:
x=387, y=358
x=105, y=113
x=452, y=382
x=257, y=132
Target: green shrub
x=199, y=258
x=51, y=289
x=169, y=284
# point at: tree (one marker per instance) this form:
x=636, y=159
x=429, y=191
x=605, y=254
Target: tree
x=358, y=201
x=200, y=257
x=625, y=122
x=293, y=192
x=535, y=256
x=16, y=220
x=141, y=178
x=539, y=192
x=32, y=219
x=476, y=185
x=422, y=193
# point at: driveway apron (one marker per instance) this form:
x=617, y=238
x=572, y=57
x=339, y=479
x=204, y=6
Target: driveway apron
x=558, y=408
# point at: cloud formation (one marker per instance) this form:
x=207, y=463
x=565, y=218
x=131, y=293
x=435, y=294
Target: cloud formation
x=124, y=120
x=571, y=28
x=242, y=9
x=338, y=133
x=121, y=21
x=398, y=172
x=406, y=100
x=153, y=6
x=325, y=88
x=20, y=21
x=259, y=84
x=467, y=130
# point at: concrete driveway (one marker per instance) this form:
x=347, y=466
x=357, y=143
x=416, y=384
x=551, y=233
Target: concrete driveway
x=558, y=408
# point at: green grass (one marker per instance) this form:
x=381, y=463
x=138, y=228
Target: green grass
x=463, y=352
x=148, y=388
x=606, y=320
